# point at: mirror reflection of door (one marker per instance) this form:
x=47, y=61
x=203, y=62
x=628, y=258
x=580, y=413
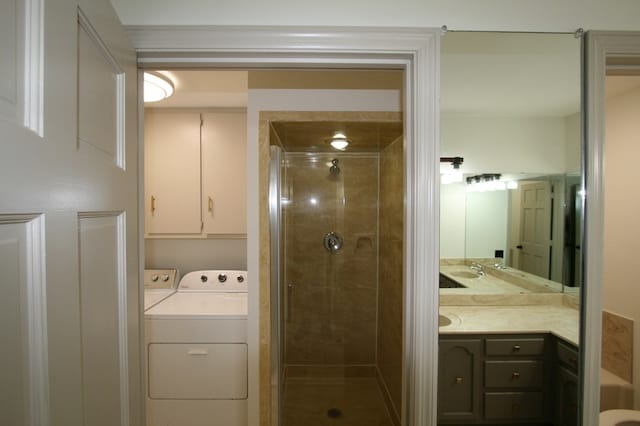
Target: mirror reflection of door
x=535, y=228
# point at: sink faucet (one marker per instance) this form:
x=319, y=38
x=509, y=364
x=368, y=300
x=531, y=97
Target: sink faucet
x=479, y=268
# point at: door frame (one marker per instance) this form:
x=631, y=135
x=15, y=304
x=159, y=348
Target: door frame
x=416, y=51
x=599, y=45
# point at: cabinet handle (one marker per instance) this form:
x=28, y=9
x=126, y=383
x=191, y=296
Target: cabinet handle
x=516, y=348
x=153, y=204
x=459, y=380
x=515, y=375
x=210, y=204
x=515, y=407
x=198, y=352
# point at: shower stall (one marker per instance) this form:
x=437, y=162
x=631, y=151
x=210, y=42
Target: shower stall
x=336, y=279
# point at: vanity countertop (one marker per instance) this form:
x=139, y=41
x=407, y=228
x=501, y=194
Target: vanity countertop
x=557, y=319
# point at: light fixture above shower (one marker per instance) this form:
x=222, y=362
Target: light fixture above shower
x=339, y=141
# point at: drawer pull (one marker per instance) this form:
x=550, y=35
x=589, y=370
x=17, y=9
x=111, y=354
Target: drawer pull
x=573, y=361
x=196, y=352
x=459, y=380
x=515, y=375
x=516, y=348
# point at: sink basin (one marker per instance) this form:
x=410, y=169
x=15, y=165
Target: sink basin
x=443, y=321
x=465, y=274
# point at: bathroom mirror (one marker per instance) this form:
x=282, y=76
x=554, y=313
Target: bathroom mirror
x=510, y=107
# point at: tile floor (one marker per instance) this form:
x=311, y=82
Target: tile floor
x=307, y=402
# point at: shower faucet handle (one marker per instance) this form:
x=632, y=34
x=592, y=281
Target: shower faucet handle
x=332, y=242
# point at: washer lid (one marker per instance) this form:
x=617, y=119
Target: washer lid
x=156, y=295
x=201, y=305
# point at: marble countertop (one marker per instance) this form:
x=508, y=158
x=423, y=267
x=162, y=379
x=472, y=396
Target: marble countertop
x=558, y=319
x=506, y=301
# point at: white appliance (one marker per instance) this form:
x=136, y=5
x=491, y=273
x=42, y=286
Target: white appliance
x=196, y=345
x=158, y=285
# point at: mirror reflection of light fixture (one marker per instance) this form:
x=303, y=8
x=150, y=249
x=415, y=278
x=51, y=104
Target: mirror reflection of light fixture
x=450, y=169
x=339, y=141
x=157, y=86
x=489, y=182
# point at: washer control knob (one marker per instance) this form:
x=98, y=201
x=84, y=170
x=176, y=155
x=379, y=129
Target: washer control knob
x=204, y=278
x=222, y=278
x=240, y=278
x=165, y=277
x=154, y=277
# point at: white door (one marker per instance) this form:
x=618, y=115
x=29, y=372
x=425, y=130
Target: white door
x=535, y=228
x=69, y=267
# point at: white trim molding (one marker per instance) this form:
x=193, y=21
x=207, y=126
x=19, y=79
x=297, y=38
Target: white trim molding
x=599, y=46
x=413, y=50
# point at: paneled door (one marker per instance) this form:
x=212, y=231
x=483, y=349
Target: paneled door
x=69, y=264
x=535, y=228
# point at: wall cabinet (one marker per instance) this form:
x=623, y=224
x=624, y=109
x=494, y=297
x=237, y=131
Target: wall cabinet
x=195, y=173
x=507, y=379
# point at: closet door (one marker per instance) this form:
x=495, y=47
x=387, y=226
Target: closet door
x=224, y=170
x=172, y=172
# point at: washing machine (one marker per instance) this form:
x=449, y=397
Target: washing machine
x=158, y=285
x=196, y=347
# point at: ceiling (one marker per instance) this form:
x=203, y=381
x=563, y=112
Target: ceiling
x=314, y=136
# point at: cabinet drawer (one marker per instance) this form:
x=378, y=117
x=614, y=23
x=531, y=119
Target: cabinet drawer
x=567, y=355
x=513, y=405
x=513, y=374
x=511, y=347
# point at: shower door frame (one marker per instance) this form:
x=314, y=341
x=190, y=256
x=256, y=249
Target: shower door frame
x=413, y=50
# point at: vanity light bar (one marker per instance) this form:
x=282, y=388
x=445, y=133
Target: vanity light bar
x=489, y=182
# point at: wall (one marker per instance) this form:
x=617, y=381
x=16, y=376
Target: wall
x=621, y=289
x=522, y=15
x=492, y=144
x=196, y=254
x=391, y=294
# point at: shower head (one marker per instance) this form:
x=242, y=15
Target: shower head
x=334, y=169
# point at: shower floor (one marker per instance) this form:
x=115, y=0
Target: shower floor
x=349, y=401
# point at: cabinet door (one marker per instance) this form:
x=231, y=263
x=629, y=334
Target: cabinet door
x=172, y=172
x=224, y=182
x=459, y=386
x=566, y=398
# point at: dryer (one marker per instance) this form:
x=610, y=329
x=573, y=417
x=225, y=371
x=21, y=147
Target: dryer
x=196, y=346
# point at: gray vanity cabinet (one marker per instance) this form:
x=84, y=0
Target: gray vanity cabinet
x=495, y=379
x=459, y=382
x=566, y=384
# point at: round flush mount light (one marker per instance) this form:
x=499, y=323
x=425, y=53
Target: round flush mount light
x=339, y=141
x=156, y=86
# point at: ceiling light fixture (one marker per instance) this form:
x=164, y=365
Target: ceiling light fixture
x=157, y=86
x=339, y=141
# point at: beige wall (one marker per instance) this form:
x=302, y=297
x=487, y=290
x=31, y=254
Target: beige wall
x=621, y=289
x=391, y=294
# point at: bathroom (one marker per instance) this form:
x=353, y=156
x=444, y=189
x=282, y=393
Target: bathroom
x=526, y=133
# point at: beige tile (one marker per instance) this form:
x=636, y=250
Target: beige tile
x=307, y=401
x=617, y=345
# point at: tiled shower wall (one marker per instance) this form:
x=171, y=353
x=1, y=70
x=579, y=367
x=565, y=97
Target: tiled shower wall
x=391, y=293
x=330, y=300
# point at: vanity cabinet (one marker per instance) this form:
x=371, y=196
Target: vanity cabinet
x=459, y=382
x=495, y=379
x=566, y=384
x=195, y=173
